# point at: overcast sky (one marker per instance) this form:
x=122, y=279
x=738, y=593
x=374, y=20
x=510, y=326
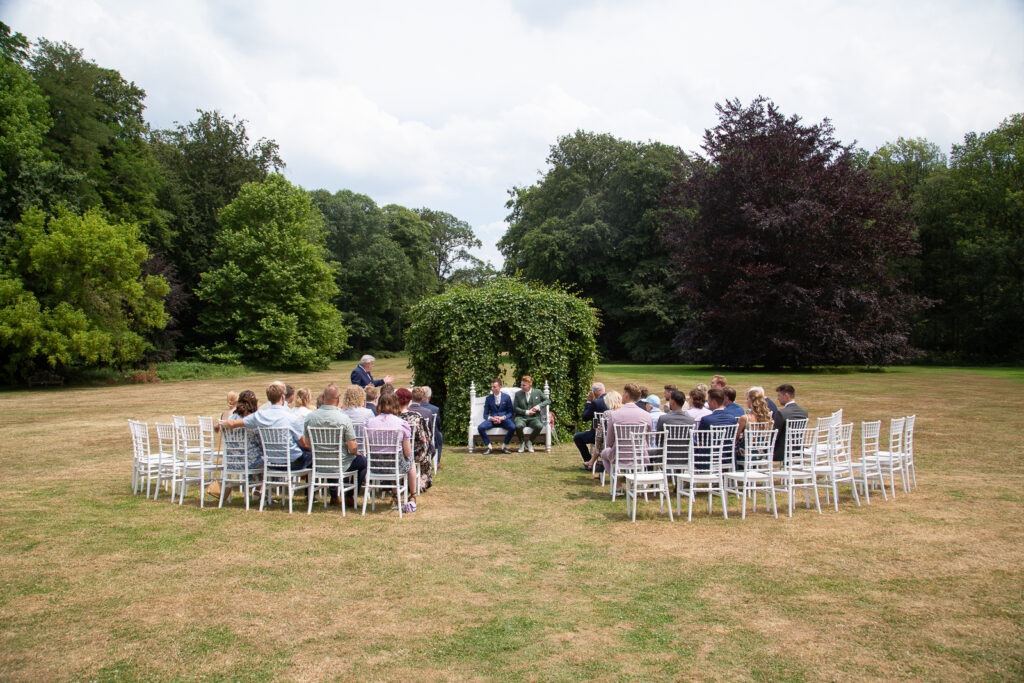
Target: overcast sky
x=449, y=104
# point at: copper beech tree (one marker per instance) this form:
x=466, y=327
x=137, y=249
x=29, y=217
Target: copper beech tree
x=784, y=247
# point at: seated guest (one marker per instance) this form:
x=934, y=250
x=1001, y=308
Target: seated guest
x=422, y=444
x=370, y=400
x=654, y=410
x=612, y=401
x=718, y=381
x=387, y=418
x=595, y=406
x=232, y=400
x=497, y=415
x=363, y=373
x=758, y=414
x=353, y=404
x=731, y=406
x=788, y=410
x=424, y=402
x=527, y=407
x=330, y=415
x=289, y=396
x=676, y=415
x=303, y=401
x=667, y=394
x=629, y=413
x=716, y=418
x=276, y=415
x=697, y=409
x=245, y=404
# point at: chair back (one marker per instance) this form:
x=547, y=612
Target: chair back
x=897, y=432
x=841, y=446
x=908, y=437
x=706, y=452
x=800, y=446
x=384, y=449
x=178, y=420
x=191, y=444
x=328, y=450
x=236, y=448
x=724, y=438
x=140, y=438
x=759, y=448
x=360, y=430
x=677, y=447
x=209, y=435
x=626, y=454
x=277, y=452
x=166, y=440
x=652, y=445
x=870, y=432
x=796, y=423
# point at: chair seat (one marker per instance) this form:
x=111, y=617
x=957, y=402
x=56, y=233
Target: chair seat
x=645, y=477
x=748, y=476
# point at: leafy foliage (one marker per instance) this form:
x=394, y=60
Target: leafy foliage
x=72, y=295
x=785, y=247
x=468, y=333
x=268, y=296
x=970, y=220
x=592, y=222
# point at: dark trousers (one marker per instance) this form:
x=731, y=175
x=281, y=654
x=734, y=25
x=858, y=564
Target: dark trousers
x=507, y=425
x=359, y=464
x=583, y=440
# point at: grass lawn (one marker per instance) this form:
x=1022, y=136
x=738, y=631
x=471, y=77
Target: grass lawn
x=518, y=566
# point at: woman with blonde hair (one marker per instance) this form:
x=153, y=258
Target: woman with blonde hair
x=353, y=404
x=303, y=401
x=758, y=416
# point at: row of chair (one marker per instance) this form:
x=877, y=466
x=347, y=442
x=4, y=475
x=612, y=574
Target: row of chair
x=187, y=453
x=818, y=457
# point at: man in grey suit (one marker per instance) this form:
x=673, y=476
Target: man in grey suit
x=788, y=410
x=675, y=415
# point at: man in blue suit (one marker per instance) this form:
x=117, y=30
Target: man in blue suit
x=717, y=418
x=594, y=407
x=731, y=407
x=363, y=374
x=498, y=413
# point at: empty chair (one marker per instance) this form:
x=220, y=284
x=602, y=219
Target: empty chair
x=704, y=474
x=170, y=464
x=868, y=467
x=756, y=474
x=209, y=437
x=277, y=465
x=837, y=466
x=797, y=471
x=331, y=461
x=890, y=461
x=908, y=453
x=240, y=467
x=145, y=463
x=194, y=461
x=648, y=474
x=383, y=467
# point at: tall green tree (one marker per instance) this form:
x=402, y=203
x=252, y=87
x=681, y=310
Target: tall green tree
x=72, y=295
x=269, y=297
x=970, y=222
x=204, y=164
x=786, y=246
x=592, y=223
x=450, y=242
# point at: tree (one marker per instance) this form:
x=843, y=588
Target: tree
x=450, y=242
x=592, y=224
x=468, y=334
x=72, y=295
x=268, y=297
x=785, y=247
x=972, y=249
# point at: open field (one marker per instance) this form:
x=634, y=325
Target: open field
x=515, y=567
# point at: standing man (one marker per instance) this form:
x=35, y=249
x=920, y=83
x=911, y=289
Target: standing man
x=595, y=406
x=788, y=410
x=527, y=405
x=498, y=413
x=363, y=374
x=330, y=415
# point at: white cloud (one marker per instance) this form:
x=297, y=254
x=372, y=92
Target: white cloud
x=449, y=104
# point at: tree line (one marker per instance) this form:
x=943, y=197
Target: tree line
x=121, y=244
x=778, y=245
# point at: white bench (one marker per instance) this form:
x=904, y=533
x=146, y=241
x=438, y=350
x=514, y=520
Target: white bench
x=476, y=416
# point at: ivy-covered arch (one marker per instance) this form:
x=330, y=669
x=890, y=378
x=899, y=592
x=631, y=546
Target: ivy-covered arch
x=468, y=333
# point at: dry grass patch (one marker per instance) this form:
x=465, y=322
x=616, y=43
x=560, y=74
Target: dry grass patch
x=515, y=567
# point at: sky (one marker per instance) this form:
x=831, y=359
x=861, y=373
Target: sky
x=449, y=104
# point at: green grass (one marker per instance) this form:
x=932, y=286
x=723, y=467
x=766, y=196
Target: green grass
x=515, y=567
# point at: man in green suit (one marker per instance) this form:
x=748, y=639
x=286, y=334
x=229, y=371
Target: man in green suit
x=527, y=405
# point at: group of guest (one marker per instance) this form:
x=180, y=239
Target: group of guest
x=703, y=407
x=375, y=404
